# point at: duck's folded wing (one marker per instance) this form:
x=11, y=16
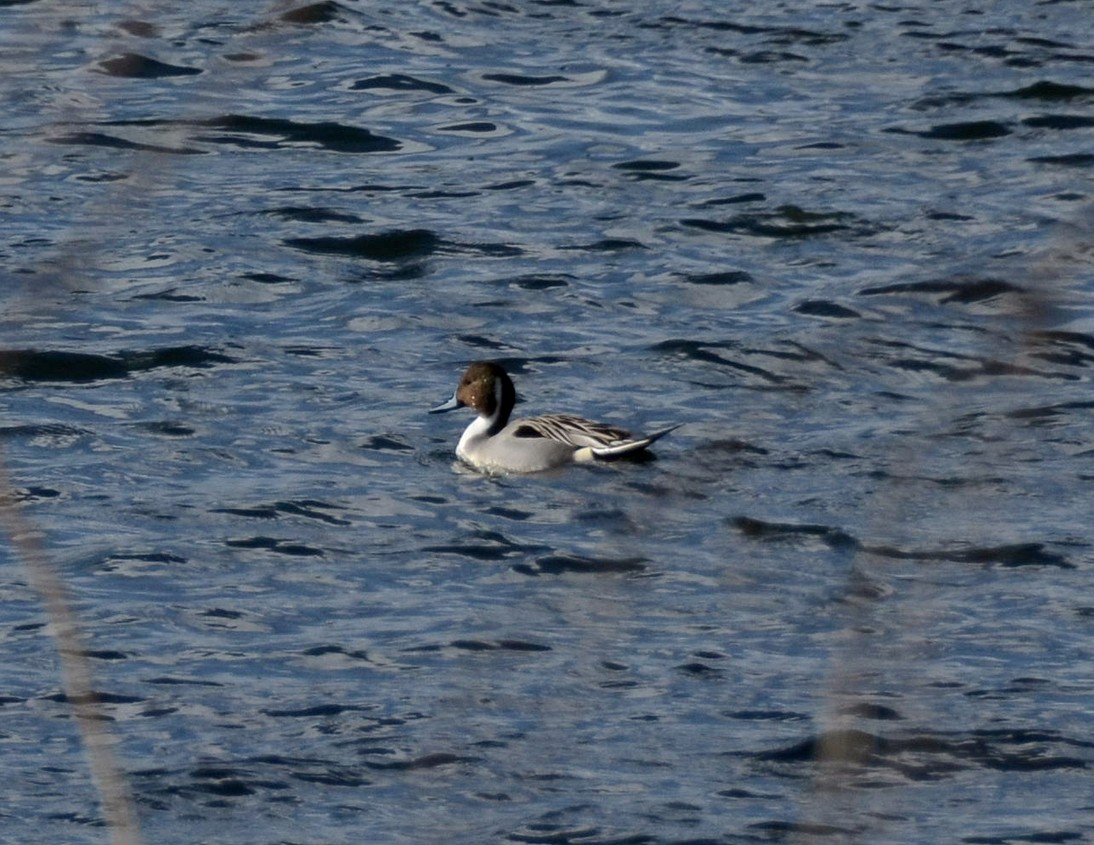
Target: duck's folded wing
x=572, y=430
x=591, y=439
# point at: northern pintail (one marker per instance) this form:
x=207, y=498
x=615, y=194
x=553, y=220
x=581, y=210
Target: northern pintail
x=494, y=444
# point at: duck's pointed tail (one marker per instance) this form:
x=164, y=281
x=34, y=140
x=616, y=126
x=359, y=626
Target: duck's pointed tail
x=627, y=447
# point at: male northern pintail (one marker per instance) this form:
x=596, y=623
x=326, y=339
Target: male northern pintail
x=494, y=444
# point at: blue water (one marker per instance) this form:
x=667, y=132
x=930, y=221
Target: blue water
x=848, y=246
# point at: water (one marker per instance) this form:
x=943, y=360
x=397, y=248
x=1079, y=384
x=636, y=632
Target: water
x=847, y=245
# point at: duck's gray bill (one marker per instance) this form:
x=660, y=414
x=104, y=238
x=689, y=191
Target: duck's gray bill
x=450, y=405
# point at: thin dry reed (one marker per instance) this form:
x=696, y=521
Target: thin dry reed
x=119, y=809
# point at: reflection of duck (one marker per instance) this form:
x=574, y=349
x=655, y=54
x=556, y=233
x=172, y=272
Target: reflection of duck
x=494, y=444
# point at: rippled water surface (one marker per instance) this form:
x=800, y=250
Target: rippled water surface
x=847, y=245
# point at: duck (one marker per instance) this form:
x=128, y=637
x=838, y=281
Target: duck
x=494, y=444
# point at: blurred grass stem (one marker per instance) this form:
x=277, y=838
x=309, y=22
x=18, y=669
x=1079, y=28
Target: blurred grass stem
x=119, y=810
